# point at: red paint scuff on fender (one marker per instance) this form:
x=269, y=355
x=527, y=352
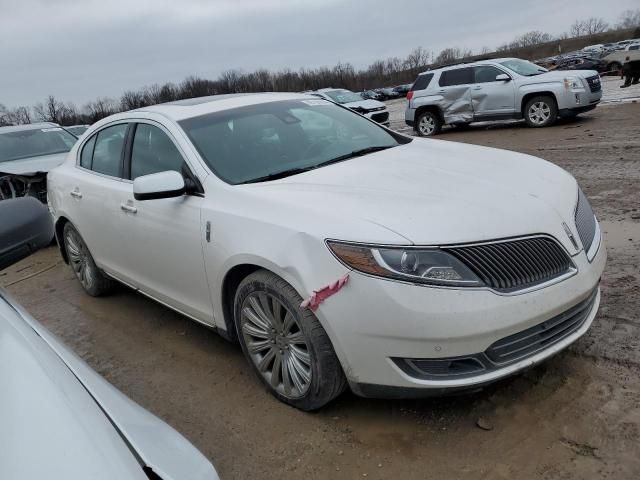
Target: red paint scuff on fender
x=325, y=292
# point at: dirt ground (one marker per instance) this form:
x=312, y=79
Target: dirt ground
x=575, y=417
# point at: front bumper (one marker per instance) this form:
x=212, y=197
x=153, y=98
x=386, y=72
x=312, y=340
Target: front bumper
x=415, y=322
x=380, y=116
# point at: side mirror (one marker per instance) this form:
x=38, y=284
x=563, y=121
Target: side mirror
x=167, y=184
x=26, y=226
x=503, y=77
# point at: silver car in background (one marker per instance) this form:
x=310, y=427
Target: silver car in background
x=498, y=89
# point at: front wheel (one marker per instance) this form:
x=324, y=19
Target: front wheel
x=285, y=344
x=540, y=111
x=428, y=124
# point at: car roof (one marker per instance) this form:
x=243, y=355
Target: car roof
x=469, y=64
x=194, y=107
x=29, y=126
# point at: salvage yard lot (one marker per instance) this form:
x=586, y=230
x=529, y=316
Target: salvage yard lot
x=576, y=416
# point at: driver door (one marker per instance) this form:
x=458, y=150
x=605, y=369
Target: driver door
x=491, y=97
x=163, y=248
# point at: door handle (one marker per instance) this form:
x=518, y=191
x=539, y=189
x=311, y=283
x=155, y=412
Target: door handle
x=75, y=194
x=128, y=208
x=477, y=88
x=441, y=91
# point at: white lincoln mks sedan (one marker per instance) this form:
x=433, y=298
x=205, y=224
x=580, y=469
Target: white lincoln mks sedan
x=335, y=251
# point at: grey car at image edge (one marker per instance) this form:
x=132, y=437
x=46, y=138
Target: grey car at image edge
x=60, y=419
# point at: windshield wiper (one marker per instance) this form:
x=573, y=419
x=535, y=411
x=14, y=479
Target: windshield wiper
x=355, y=153
x=295, y=171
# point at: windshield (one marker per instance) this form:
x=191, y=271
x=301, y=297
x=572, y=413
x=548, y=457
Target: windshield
x=523, y=67
x=34, y=142
x=249, y=143
x=343, y=96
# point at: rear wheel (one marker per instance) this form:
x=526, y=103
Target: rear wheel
x=93, y=281
x=540, y=111
x=428, y=124
x=286, y=345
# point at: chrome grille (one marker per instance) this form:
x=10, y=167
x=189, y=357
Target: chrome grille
x=515, y=264
x=543, y=335
x=594, y=83
x=585, y=221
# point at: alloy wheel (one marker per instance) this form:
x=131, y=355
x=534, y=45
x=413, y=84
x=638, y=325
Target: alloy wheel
x=427, y=125
x=539, y=113
x=79, y=259
x=276, y=344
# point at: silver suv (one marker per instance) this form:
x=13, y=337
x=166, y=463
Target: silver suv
x=498, y=89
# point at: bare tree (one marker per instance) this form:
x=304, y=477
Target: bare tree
x=589, y=26
x=448, y=55
x=99, y=109
x=51, y=110
x=417, y=60
x=629, y=19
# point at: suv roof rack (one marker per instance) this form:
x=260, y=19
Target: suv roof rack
x=461, y=62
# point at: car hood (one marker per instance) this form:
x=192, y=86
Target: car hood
x=61, y=420
x=368, y=104
x=560, y=75
x=33, y=165
x=433, y=192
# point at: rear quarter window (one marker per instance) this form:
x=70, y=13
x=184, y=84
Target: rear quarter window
x=458, y=76
x=422, y=82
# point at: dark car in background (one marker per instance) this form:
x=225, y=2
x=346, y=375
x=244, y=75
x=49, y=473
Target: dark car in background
x=402, y=90
x=582, y=63
x=387, y=93
x=371, y=95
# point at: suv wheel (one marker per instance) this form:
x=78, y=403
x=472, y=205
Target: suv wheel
x=285, y=344
x=540, y=111
x=428, y=124
x=93, y=281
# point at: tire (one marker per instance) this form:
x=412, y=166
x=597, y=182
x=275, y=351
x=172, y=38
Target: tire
x=92, y=280
x=540, y=111
x=428, y=124
x=285, y=345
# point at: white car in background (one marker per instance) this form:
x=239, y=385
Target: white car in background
x=373, y=109
x=60, y=419
x=333, y=250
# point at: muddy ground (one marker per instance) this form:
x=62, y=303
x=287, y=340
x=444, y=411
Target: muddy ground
x=576, y=416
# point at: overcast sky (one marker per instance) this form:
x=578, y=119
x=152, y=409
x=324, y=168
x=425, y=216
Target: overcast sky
x=78, y=50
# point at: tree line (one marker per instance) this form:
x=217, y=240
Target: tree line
x=388, y=72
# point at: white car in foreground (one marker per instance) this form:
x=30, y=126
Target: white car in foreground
x=59, y=418
x=334, y=250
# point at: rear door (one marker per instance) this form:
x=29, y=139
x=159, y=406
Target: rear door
x=455, y=90
x=94, y=187
x=163, y=251
x=492, y=97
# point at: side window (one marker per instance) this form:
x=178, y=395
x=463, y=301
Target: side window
x=458, y=76
x=486, y=73
x=108, y=150
x=87, y=153
x=422, y=82
x=153, y=152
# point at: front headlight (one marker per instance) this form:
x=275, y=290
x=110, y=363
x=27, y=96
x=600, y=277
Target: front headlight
x=429, y=266
x=573, y=83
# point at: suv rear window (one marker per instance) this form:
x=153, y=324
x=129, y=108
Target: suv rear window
x=458, y=76
x=422, y=82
